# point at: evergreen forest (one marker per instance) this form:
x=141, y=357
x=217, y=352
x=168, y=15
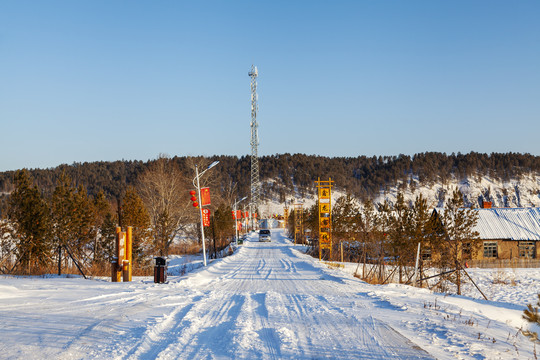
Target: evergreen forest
x=363, y=177
x=71, y=212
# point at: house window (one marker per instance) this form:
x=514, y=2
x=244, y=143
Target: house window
x=426, y=254
x=526, y=249
x=490, y=249
x=467, y=250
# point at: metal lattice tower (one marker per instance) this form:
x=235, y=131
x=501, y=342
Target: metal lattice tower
x=255, y=183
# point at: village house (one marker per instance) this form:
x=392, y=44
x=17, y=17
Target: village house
x=508, y=233
x=507, y=237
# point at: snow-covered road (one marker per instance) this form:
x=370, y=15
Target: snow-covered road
x=267, y=301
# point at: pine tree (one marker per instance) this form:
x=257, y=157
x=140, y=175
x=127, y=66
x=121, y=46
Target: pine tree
x=62, y=207
x=223, y=227
x=73, y=219
x=421, y=227
x=107, y=238
x=84, y=221
x=29, y=214
x=134, y=214
x=531, y=315
x=460, y=239
x=369, y=229
x=102, y=244
x=345, y=219
x=399, y=234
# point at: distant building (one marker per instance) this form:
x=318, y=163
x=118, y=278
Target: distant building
x=504, y=234
x=508, y=233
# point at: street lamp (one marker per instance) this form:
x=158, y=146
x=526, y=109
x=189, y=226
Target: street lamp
x=197, y=176
x=236, y=222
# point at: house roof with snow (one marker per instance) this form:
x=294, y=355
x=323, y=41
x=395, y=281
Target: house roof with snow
x=509, y=223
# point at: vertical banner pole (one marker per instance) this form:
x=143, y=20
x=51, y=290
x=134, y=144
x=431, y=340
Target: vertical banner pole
x=117, y=260
x=201, y=215
x=122, y=259
x=330, y=224
x=129, y=252
x=324, y=203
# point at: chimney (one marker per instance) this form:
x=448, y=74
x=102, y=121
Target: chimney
x=486, y=204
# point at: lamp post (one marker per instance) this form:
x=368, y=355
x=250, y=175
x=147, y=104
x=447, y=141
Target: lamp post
x=197, y=176
x=236, y=222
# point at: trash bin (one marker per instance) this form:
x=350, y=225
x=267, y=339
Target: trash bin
x=160, y=270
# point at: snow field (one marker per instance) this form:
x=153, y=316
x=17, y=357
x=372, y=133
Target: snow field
x=267, y=301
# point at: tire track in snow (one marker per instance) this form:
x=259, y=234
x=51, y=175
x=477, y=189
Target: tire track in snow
x=210, y=318
x=254, y=335
x=266, y=332
x=311, y=326
x=161, y=334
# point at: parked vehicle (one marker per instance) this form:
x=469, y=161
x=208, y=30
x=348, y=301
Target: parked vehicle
x=264, y=235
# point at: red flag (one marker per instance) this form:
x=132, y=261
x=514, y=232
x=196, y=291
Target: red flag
x=205, y=196
x=238, y=214
x=206, y=217
x=246, y=215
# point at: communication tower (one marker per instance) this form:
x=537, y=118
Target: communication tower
x=255, y=184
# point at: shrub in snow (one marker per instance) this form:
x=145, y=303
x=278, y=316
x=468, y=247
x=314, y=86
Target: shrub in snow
x=531, y=315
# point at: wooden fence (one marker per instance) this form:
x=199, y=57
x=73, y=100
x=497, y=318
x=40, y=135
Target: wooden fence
x=504, y=263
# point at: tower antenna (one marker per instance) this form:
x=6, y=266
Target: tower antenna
x=255, y=184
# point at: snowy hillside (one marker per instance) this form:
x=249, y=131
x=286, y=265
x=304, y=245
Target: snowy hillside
x=521, y=192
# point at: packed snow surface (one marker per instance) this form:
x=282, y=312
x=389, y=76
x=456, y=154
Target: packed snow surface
x=267, y=301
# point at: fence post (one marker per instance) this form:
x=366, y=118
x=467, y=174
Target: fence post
x=416, y=266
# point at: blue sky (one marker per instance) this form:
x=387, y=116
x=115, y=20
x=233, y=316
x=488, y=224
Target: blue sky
x=109, y=80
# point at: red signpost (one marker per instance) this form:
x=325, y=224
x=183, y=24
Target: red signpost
x=206, y=217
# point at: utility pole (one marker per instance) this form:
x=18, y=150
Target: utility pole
x=255, y=184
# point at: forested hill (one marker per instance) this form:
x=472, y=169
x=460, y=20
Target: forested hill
x=361, y=176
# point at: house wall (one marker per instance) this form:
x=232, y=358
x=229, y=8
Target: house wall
x=506, y=249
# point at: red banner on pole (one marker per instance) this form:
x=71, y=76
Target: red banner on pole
x=238, y=214
x=205, y=196
x=206, y=217
x=246, y=215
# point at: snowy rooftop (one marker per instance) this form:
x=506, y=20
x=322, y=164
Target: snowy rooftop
x=509, y=223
